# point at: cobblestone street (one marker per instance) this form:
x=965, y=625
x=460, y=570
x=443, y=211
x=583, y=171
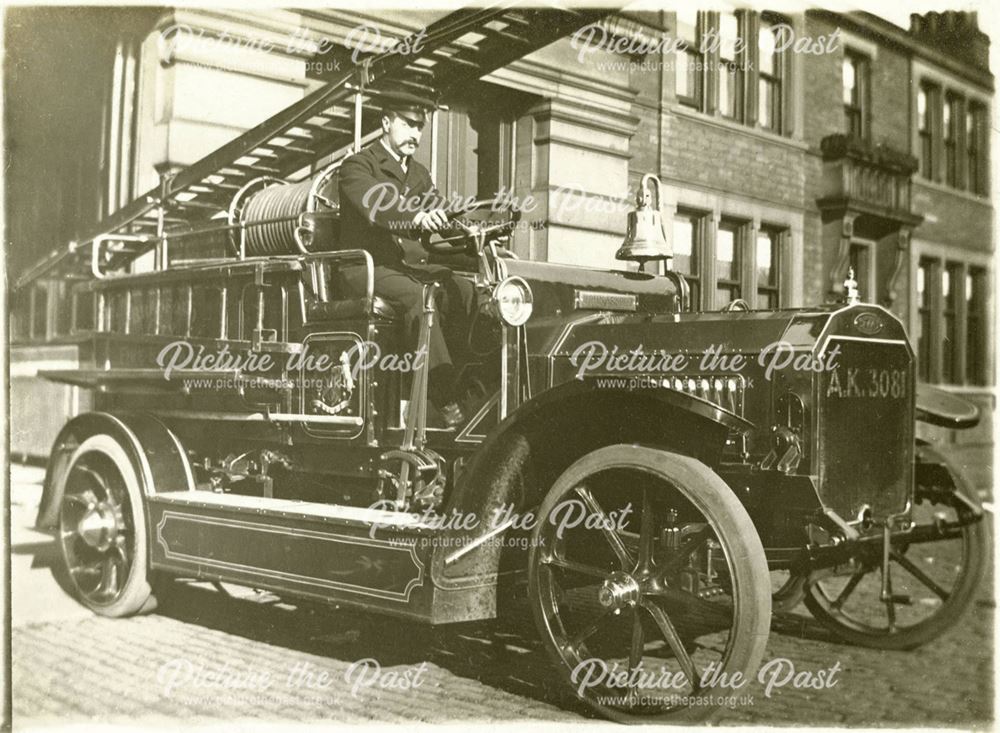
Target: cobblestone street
x=283, y=663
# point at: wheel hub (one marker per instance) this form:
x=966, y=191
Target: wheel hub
x=619, y=590
x=98, y=527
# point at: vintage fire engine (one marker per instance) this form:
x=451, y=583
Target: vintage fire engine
x=663, y=518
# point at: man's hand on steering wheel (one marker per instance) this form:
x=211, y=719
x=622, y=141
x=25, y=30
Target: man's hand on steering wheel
x=431, y=221
x=456, y=234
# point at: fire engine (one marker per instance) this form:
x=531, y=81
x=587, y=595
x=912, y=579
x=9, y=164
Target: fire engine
x=651, y=526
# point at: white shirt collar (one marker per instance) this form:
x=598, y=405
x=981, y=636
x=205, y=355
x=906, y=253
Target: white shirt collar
x=402, y=160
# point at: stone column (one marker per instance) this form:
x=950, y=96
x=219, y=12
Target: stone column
x=580, y=182
x=207, y=76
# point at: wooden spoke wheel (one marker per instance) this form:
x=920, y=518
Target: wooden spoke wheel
x=931, y=583
x=102, y=532
x=648, y=584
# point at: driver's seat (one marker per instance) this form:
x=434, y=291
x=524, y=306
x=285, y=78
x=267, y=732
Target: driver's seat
x=348, y=298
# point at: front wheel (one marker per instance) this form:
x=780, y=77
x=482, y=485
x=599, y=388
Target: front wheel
x=102, y=531
x=648, y=584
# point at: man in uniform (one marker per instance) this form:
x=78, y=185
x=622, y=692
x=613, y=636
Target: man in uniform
x=387, y=202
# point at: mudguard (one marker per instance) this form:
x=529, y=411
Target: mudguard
x=466, y=563
x=937, y=407
x=154, y=450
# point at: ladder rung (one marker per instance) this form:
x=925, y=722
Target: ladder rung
x=297, y=149
x=505, y=35
x=445, y=58
x=195, y=204
x=262, y=170
x=514, y=17
x=331, y=114
x=414, y=85
x=299, y=135
x=417, y=69
x=335, y=130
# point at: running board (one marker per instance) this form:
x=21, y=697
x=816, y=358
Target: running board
x=362, y=557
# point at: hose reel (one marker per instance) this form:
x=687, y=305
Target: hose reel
x=273, y=217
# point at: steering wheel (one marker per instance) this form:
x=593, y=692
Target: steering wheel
x=484, y=216
x=737, y=305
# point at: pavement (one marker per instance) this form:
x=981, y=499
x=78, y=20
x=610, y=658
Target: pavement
x=215, y=655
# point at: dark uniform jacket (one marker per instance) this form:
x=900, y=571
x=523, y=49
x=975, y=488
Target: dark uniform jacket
x=387, y=233
x=401, y=267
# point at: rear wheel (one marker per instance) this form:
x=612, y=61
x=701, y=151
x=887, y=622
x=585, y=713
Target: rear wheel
x=102, y=531
x=645, y=574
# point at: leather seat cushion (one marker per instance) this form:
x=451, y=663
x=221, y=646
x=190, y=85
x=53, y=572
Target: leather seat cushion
x=353, y=308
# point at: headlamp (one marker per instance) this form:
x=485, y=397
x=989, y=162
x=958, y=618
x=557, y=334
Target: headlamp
x=512, y=301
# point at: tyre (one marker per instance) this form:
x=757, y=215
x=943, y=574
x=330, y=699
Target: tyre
x=663, y=578
x=102, y=530
x=933, y=581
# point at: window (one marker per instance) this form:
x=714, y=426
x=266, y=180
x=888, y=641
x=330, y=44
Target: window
x=746, y=262
x=952, y=119
x=768, y=253
x=952, y=320
x=975, y=326
x=949, y=296
x=20, y=316
x=975, y=147
x=736, y=57
x=855, y=71
x=925, y=276
x=494, y=155
x=39, y=312
x=926, y=97
x=769, y=99
x=730, y=67
x=951, y=131
x=690, y=60
x=686, y=247
x=469, y=147
x=728, y=263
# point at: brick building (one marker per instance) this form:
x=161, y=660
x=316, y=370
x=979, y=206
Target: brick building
x=833, y=141
x=791, y=147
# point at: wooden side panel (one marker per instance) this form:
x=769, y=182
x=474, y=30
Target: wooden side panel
x=309, y=556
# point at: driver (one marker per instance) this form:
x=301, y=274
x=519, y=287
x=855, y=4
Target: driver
x=387, y=201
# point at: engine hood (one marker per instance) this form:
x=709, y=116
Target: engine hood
x=713, y=343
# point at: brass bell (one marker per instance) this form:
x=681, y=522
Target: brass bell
x=645, y=238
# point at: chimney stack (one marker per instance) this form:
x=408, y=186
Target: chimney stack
x=955, y=33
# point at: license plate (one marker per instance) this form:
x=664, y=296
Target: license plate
x=847, y=382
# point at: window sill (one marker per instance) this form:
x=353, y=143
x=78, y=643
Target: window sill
x=729, y=126
x=945, y=188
